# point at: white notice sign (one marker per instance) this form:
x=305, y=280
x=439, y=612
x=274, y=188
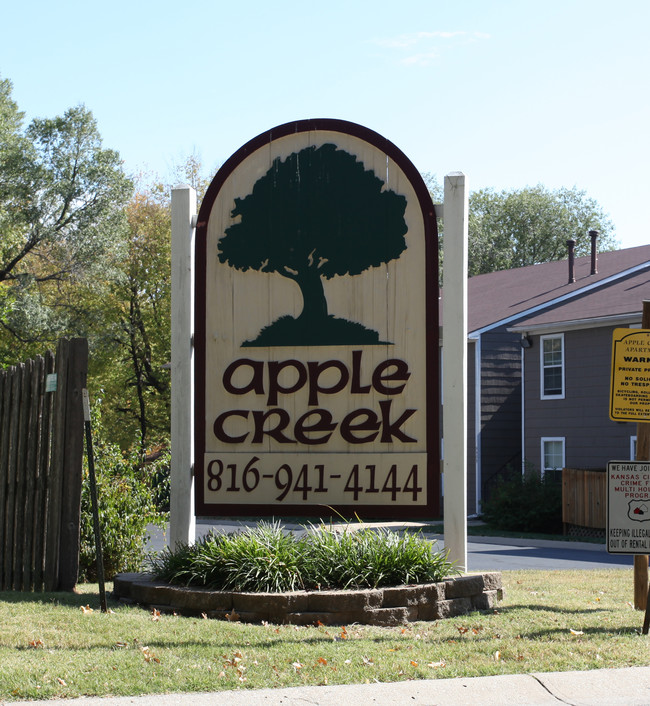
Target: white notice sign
x=628, y=507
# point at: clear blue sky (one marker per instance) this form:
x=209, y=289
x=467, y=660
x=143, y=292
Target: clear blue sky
x=511, y=92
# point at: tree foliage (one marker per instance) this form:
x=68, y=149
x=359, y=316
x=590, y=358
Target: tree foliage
x=62, y=198
x=135, y=341
x=531, y=225
x=131, y=335
x=528, y=226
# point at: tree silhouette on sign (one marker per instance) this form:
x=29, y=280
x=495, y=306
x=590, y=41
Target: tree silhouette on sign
x=317, y=214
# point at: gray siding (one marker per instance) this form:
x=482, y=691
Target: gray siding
x=582, y=418
x=471, y=429
x=500, y=431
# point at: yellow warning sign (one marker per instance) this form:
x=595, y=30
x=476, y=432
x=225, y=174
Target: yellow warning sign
x=629, y=397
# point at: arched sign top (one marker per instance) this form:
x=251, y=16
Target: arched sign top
x=316, y=331
x=334, y=125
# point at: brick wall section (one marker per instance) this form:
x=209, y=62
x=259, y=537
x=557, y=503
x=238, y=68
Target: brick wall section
x=382, y=606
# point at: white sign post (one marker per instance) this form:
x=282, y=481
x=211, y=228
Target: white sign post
x=454, y=346
x=181, y=516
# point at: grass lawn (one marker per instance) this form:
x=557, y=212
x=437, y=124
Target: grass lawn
x=52, y=646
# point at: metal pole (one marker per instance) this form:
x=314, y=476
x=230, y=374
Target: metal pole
x=93, y=499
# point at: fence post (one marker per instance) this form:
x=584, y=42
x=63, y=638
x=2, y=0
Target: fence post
x=44, y=431
x=22, y=417
x=72, y=463
x=10, y=499
x=31, y=470
x=5, y=416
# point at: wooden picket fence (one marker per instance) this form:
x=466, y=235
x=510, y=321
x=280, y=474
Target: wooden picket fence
x=41, y=452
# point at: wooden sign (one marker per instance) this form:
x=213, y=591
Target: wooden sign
x=629, y=399
x=316, y=333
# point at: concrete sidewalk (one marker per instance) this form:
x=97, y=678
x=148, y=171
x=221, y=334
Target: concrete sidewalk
x=602, y=687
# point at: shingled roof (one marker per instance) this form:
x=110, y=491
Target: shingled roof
x=543, y=294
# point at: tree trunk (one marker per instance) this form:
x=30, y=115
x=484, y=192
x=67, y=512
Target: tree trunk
x=313, y=296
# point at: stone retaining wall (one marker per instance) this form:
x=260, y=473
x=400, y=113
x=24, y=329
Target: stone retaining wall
x=381, y=606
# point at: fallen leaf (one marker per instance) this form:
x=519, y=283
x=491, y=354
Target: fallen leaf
x=322, y=660
x=237, y=657
x=36, y=643
x=204, y=616
x=369, y=661
x=437, y=665
x=61, y=681
x=497, y=656
x=155, y=615
x=148, y=655
x=232, y=616
x=414, y=663
x=462, y=629
x=576, y=632
x=86, y=609
x=296, y=665
x=121, y=644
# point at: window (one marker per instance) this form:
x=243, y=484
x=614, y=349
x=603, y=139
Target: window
x=552, y=367
x=633, y=448
x=553, y=455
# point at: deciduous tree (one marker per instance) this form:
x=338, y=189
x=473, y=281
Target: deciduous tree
x=62, y=198
x=531, y=225
x=519, y=227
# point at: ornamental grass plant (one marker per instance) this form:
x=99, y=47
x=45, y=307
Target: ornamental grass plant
x=267, y=558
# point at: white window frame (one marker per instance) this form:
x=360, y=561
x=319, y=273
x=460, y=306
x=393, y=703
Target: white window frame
x=544, y=396
x=544, y=441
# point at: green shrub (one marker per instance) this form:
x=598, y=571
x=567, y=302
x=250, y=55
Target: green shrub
x=266, y=558
x=127, y=491
x=527, y=503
